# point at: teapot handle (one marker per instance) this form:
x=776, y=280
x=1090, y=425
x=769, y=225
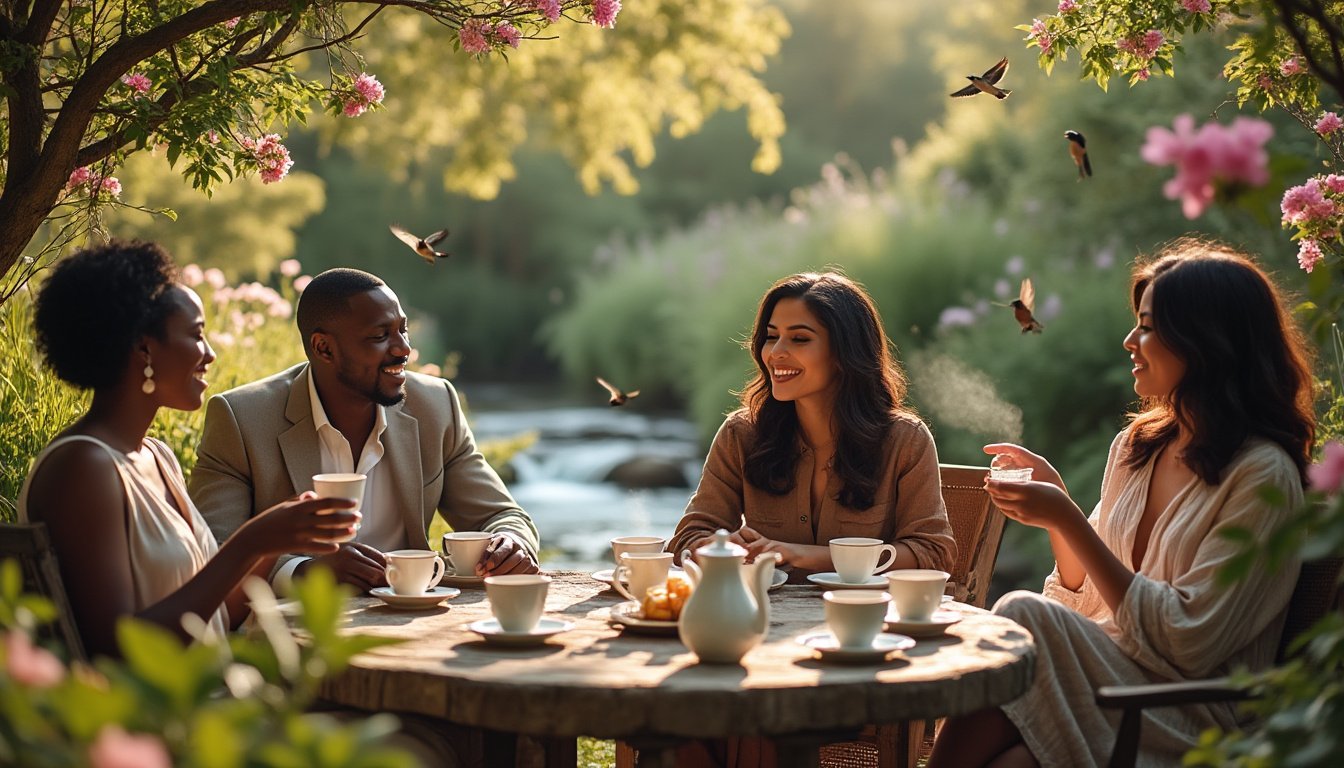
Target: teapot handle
x=691, y=567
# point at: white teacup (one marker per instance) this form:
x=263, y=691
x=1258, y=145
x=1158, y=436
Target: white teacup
x=464, y=549
x=517, y=600
x=916, y=592
x=642, y=570
x=341, y=485
x=413, y=571
x=855, y=616
x=1002, y=468
x=856, y=558
x=631, y=544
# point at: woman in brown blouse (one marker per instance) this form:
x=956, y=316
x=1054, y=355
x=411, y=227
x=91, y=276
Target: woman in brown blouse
x=822, y=446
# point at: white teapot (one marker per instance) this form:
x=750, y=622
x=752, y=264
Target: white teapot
x=728, y=611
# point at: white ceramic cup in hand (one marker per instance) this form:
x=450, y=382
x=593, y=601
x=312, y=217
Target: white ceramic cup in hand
x=1002, y=469
x=517, y=600
x=916, y=592
x=341, y=485
x=464, y=549
x=643, y=570
x=855, y=616
x=630, y=544
x=856, y=557
x=413, y=571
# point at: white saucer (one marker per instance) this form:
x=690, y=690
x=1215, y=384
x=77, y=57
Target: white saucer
x=826, y=646
x=491, y=631
x=462, y=581
x=428, y=600
x=777, y=581
x=936, y=625
x=605, y=574
x=832, y=580
x=630, y=616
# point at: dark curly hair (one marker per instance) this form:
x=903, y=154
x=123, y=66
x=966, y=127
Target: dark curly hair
x=97, y=303
x=1247, y=366
x=871, y=390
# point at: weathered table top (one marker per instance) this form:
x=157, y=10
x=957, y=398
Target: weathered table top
x=599, y=680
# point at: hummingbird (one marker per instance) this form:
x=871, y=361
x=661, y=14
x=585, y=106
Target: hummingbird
x=986, y=82
x=1023, y=306
x=424, y=247
x=617, y=396
x=1078, y=151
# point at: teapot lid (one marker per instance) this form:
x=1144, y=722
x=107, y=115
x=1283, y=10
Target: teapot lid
x=721, y=547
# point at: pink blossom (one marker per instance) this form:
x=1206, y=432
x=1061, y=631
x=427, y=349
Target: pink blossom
x=1309, y=254
x=507, y=33
x=1067, y=6
x=111, y=186
x=215, y=278
x=1328, y=476
x=549, y=8
x=192, y=276
x=1041, y=35
x=272, y=157
x=138, y=83
x=79, y=177
x=1143, y=47
x=231, y=23
x=290, y=267
x=302, y=282
x=368, y=87
x=472, y=35
x=1291, y=66
x=1264, y=82
x=1306, y=203
x=1214, y=153
x=30, y=665
x=353, y=108
x=1329, y=123
x=1143, y=74
x=1335, y=183
x=604, y=12
x=211, y=136
x=115, y=748
x=1196, y=6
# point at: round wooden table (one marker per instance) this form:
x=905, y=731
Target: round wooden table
x=601, y=681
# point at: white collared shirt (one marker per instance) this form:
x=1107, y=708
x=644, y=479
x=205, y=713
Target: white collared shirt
x=382, y=527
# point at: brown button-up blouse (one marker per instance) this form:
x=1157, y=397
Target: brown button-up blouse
x=908, y=503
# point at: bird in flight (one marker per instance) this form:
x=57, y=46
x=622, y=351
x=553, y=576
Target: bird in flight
x=987, y=82
x=422, y=246
x=617, y=396
x=1023, y=306
x=1078, y=151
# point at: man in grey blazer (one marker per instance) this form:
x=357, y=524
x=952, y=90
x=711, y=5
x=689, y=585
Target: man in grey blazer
x=353, y=407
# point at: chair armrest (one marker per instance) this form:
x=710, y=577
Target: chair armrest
x=1169, y=694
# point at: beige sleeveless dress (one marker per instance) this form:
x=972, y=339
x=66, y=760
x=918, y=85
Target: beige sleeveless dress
x=165, y=550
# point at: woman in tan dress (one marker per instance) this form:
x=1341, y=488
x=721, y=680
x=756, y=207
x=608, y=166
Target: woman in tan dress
x=1226, y=411
x=823, y=445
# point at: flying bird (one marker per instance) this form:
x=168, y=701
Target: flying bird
x=617, y=396
x=1078, y=151
x=986, y=82
x=1023, y=306
x=422, y=246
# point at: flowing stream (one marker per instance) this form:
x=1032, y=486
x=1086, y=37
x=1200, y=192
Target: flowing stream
x=562, y=480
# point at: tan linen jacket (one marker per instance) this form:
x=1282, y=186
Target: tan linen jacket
x=908, y=508
x=260, y=447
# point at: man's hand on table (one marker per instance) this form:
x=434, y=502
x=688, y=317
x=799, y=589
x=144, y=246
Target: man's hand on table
x=356, y=564
x=505, y=554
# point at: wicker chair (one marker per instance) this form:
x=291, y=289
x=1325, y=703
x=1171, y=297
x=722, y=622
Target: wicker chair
x=31, y=547
x=1314, y=596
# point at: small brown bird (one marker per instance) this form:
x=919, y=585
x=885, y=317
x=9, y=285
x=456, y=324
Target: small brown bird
x=617, y=396
x=424, y=247
x=1023, y=306
x=1078, y=151
x=986, y=82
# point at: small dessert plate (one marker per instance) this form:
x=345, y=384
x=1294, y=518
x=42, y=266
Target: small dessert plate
x=936, y=626
x=411, y=602
x=631, y=617
x=490, y=630
x=825, y=645
x=831, y=580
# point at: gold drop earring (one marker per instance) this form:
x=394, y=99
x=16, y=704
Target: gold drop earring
x=148, y=386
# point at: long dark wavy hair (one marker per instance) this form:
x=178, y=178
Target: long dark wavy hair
x=870, y=393
x=1247, y=366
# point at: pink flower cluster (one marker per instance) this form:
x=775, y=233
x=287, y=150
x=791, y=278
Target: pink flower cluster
x=229, y=24
x=1328, y=475
x=366, y=92
x=30, y=665
x=1196, y=6
x=138, y=83
x=549, y=8
x=604, y=12
x=1041, y=35
x=1067, y=6
x=82, y=177
x=1329, y=123
x=1316, y=208
x=272, y=157
x=115, y=748
x=1291, y=66
x=1204, y=158
x=479, y=36
x=1144, y=47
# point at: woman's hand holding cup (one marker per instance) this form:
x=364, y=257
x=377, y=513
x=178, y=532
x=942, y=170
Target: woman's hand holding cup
x=306, y=524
